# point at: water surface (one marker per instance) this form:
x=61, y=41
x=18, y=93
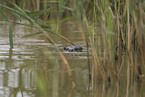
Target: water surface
x=33, y=68
x=34, y=58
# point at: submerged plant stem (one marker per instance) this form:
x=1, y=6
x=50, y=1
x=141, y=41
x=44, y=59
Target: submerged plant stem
x=10, y=36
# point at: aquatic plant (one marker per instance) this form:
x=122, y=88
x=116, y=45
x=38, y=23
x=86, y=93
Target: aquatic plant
x=114, y=29
x=35, y=22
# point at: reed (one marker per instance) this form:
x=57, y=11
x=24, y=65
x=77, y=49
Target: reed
x=114, y=29
x=18, y=11
x=10, y=36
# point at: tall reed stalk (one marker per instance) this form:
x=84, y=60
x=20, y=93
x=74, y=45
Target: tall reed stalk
x=114, y=29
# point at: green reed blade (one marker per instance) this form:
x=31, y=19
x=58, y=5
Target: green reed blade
x=2, y=13
x=30, y=35
x=41, y=12
x=21, y=4
x=10, y=36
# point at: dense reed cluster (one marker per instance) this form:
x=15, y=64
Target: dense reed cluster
x=114, y=29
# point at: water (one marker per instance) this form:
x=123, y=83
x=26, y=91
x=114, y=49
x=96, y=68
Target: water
x=33, y=68
x=34, y=64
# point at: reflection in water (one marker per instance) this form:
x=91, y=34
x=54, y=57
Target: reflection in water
x=34, y=69
x=30, y=57
x=14, y=79
x=10, y=56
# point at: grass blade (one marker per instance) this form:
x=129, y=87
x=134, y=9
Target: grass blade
x=2, y=13
x=21, y=4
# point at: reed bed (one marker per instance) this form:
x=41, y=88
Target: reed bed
x=114, y=29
